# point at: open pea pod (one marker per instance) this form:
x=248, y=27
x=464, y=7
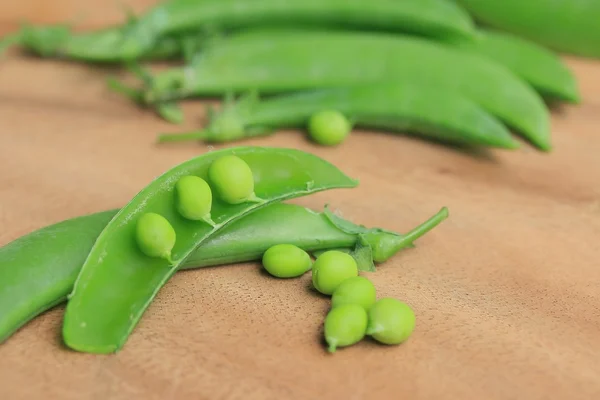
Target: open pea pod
x=117, y=281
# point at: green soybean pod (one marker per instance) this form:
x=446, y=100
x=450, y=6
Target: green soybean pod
x=282, y=60
x=390, y=321
x=357, y=290
x=194, y=199
x=286, y=261
x=329, y=127
x=233, y=179
x=95, y=320
x=344, y=326
x=566, y=26
x=155, y=236
x=332, y=268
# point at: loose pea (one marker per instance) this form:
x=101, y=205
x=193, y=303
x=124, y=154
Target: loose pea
x=345, y=325
x=329, y=128
x=232, y=179
x=356, y=290
x=331, y=269
x=155, y=236
x=194, y=199
x=390, y=321
x=286, y=261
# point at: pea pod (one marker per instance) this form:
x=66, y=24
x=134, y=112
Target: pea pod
x=569, y=26
x=402, y=106
x=39, y=269
x=434, y=18
x=117, y=282
x=538, y=66
x=272, y=61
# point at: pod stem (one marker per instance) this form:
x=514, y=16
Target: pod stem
x=183, y=137
x=425, y=227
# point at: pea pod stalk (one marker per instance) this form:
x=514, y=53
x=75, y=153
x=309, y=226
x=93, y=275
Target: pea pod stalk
x=403, y=106
x=39, y=269
x=283, y=60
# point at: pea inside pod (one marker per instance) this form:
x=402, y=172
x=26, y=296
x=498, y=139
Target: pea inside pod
x=96, y=320
x=155, y=236
x=194, y=199
x=232, y=179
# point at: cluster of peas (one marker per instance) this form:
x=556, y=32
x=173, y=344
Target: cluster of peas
x=355, y=311
x=232, y=179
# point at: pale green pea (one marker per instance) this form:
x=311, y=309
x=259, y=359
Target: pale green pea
x=357, y=290
x=286, y=261
x=329, y=127
x=390, y=321
x=155, y=236
x=331, y=269
x=194, y=199
x=345, y=325
x=232, y=179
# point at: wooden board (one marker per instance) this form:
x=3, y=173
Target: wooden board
x=506, y=291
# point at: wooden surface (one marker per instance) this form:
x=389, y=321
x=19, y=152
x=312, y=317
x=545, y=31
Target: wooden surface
x=506, y=291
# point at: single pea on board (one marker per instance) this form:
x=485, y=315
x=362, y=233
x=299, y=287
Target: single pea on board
x=332, y=268
x=329, y=128
x=345, y=325
x=194, y=199
x=232, y=179
x=390, y=321
x=155, y=236
x=286, y=261
x=357, y=290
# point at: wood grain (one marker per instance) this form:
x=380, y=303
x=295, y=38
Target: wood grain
x=506, y=291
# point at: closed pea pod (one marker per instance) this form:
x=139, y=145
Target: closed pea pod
x=194, y=199
x=408, y=106
x=275, y=61
x=390, y=321
x=332, y=268
x=286, y=261
x=344, y=326
x=357, y=290
x=39, y=269
x=155, y=236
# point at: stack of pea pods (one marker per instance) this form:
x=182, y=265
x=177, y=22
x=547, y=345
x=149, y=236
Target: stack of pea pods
x=467, y=72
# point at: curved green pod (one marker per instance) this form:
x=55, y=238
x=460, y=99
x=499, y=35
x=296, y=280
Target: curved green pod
x=412, y=107
x=38, y=270
x=117, y=281
x=570, y=26
x=432, y=18
x=538, y=66
x=272, y=61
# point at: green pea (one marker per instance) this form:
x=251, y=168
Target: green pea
x=356, y=290
x=286, y=261
x=331, y=269
x=232, y=179
x=390, y=321
x=329, y=128
x=345, y=325
x=155, y=236
x=194, y=199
